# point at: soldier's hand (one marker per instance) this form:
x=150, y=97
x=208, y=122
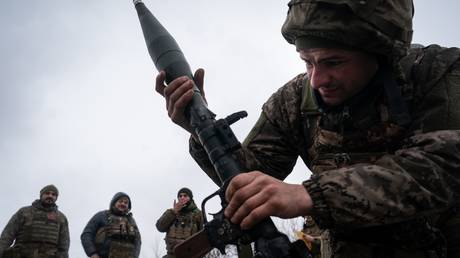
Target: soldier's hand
x=177, y=206
x=94, y=256
x=255, y=196
x=178, y=94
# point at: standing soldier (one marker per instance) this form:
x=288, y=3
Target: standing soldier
x=180, y=222
x=375, y=119
x=112, y=233
x=37, y=231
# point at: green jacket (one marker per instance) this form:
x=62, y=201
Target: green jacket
x=374, y=183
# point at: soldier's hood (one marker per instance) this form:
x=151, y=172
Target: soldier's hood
x=39, y=205
x=118, y=196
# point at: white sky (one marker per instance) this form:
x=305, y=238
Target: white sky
x=78, y=109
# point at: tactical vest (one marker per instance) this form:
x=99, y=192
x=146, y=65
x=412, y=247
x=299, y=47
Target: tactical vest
x=118, y=228
x=121, y=249
x=185, y=225
x=40, y=227
x=365, y=142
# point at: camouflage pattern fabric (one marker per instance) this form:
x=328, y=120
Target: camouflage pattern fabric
x=122, y=233
x=121, y=249
x=179, y=227
x=383, y=27
x=37, y=232
x=118, y=227
x=374, y=186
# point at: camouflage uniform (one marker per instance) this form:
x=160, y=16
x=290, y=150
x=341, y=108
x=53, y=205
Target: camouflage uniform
x=37, y=232
x=111, y=234
x=382, y=185
x=179, y=227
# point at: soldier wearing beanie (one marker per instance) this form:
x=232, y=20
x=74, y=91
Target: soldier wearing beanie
x=375, y=119
x=112, y=233
x=181, y=221
x=38, y=231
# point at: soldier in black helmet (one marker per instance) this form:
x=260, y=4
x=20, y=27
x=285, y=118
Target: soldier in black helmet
x=375, y=119
x=112, y=233
x=37, y=231
x=181, y=221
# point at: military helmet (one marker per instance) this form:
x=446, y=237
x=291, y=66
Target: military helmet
x=376, y=26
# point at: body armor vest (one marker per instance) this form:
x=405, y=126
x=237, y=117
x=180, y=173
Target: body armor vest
x=41, y=227
x=121, y=249
x=118, y=228
x=183, y=227
x=331, y=149
x=360, y=131
x=121, y=233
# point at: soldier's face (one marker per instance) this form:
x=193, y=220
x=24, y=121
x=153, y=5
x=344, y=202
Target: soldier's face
x=338, y=74
x=183, y=198
x=122, y=204
x=49, y=197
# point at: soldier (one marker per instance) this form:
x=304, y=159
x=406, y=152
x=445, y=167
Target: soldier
x=376, y=121
x=37, y=231
x=180, y=222
x=112, y=233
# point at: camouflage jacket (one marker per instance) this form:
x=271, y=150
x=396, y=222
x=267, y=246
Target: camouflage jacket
x=367, y=172
x=179, y=227
x=26, y=240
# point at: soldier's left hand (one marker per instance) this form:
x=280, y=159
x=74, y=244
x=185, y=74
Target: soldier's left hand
x=255, y=196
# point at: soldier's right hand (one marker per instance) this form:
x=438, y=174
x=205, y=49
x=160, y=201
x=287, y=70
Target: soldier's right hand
x=177, y=206
x=178, y=94
x=95, y=256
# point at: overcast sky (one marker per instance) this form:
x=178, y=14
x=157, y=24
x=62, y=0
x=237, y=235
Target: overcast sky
x=78, y=109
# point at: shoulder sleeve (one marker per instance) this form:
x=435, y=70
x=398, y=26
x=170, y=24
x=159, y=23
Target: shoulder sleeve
x=88, y=235
x=277, y=133
x=11, y=230
x=64, y=237
x=436, y=78
x=138, y=240
x=166, y=220
x=275, y=142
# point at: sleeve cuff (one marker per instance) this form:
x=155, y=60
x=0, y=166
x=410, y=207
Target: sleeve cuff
x=320, y=212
